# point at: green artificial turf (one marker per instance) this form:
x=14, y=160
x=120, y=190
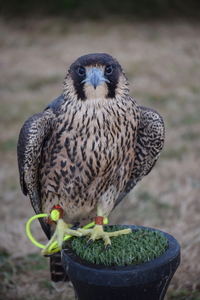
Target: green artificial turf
x=137, y=247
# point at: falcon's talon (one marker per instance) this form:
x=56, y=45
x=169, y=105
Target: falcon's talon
x=74, y=228
x=107, y=247
x=88, y=243
x=61, y=230
x=97, y=232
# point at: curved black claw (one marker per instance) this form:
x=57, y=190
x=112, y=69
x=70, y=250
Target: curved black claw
x=75, y=227
x=107, y=247
x=89, y=242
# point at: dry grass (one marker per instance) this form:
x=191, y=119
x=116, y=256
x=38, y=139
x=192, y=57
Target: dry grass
x=162, y=62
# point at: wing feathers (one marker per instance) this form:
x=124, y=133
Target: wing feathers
x=31, y=139
x=150, y=141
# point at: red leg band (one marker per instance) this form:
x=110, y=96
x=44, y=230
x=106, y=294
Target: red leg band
x=99, y=220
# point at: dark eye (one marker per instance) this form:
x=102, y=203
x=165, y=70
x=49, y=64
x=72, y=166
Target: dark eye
x=109, y=70
x=81, y=71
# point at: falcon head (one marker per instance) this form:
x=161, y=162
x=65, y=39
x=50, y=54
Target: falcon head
x=95, y=76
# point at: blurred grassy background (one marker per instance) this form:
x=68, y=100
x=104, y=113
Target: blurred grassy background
x=97, y=9
x=160, y=53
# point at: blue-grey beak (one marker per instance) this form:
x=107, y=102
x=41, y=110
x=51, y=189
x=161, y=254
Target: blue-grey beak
x=95, y=77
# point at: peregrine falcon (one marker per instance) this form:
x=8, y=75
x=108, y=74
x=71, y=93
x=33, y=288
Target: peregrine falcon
x=88, y=148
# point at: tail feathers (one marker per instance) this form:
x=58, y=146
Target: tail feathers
x=58, y=275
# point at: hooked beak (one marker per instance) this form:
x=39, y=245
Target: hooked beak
x=95, y=77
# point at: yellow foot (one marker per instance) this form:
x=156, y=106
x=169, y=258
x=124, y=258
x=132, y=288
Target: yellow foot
x=97, y=232
x=62, y=229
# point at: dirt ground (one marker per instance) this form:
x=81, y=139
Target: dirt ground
x=162, y=62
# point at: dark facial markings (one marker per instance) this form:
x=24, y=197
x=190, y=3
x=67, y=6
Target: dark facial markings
x=108, y=70
x=78, y=74
x=81, y=71
x=112, y=72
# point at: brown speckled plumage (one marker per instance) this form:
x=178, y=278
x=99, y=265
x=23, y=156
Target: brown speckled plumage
x=90, y=145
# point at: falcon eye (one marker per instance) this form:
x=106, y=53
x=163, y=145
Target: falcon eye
x=108, y=70
x=81, y=71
